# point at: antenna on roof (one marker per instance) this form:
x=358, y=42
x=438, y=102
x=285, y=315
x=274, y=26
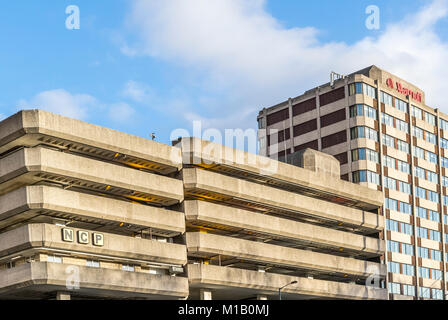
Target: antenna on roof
x=335, y=76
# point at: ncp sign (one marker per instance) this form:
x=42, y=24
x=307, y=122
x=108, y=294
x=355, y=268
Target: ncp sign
x=68, y=235
x=417, y=96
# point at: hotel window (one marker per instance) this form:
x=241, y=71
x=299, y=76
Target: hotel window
x=416, y=112
x=393, y=267
x=366, y=176
x=360, y=110
x=436, y=255
x=369, y=90
x=423, y=272
x=386, y=98
x=363, y=132
x=355, y=88
x=422, y=233
x=388, y=140
x=431, y=138
x=432, y=176
x=430, y=118
x=262, y=123
x=445, y=200
x=423, y=252
x=405, y=208
x=433, y=216
x=417, y=132
x=262, y=142
x=406, y=228
x=418, y=152
x=394, y=288
x=434, y=235
x=391, y=204
x=437, y=294
x=407, y=249
x=422, y=212
x=54, y=259
x=419, y=172
x=443, y=124
x=444, y=162
x=445, y=181
x=390, y=183
x=436, y=274
x=128, y=267
x=402, y=146
x=443, y=143
x=402, y=125
x=393, y=246
x=387, y=120
x=432, y=157
x=401, y=105
x=408, y=269
x=392, y=225
x=93, y=263
x=404, y=187
x=424, y=292
x=408, y=290
x=365, y=154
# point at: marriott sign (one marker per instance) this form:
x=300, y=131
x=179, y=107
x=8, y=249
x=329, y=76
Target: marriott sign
x=407, y=92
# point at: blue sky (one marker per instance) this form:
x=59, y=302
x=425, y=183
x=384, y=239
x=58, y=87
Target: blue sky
x=145, y=66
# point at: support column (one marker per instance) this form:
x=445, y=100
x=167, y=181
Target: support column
x=205, y=294
x=63, y=296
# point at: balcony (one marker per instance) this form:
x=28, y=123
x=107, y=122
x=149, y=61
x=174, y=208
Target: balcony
x=233, y=283
x=43, y=203
x=33, y=165
x=45, y=238
x=31, y=128
x=207, y=185
x=203, y=245
x=41, y=280
x=205, y=214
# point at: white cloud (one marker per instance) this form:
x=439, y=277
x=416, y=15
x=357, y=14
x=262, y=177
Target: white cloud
x=78, y=106
x=138, y=92
x=246, y=54
x=61, y=102
x=121, y=112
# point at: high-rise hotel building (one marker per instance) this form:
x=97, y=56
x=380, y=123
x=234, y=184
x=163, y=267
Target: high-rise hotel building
x=386, y=138
x=92, y=213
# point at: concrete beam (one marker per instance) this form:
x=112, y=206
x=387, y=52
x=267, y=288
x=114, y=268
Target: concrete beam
x=259, y=283
x=211, y=182
x=42, y=277
x=28, y=166
x=38, y=237
x=200, y=152
x=204, y=243
x=24, y=203
x=31, y=127
x=207, y=212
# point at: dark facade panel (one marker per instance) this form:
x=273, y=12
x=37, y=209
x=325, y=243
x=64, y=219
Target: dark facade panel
x=334, y=139
x=332, y=96
x=305, y=127
x=342, y=157
x=303, y=107
x=278, y=116
x=332, y=118
x=312, y=145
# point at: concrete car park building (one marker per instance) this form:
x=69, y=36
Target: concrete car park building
x=386, y=138
x=92, y=213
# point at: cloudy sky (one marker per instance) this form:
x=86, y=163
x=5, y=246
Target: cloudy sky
x=145, y=66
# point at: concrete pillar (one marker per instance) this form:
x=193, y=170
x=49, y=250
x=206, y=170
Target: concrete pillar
x=205, y=294
x=63, y=296
x=262, y=297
